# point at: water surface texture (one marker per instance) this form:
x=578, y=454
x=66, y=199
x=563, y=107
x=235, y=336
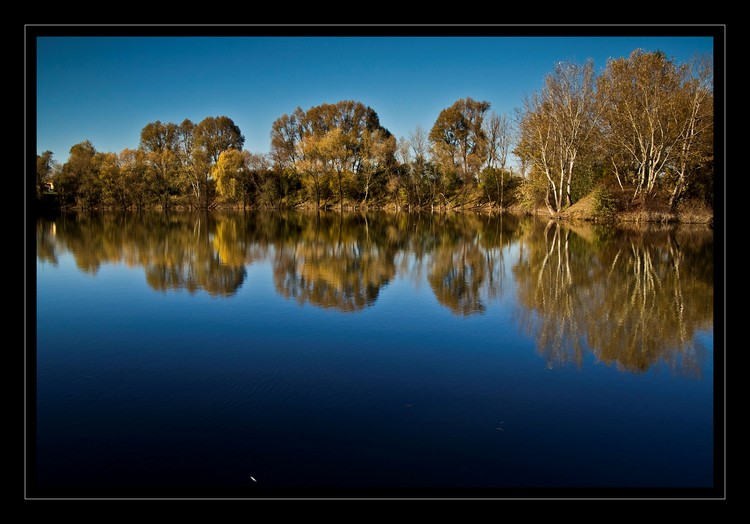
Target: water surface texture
x=228, y=354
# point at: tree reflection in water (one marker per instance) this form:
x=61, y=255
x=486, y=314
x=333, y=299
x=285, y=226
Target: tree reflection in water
x=467, y=265
x=178, y=251
x=632, y=297
x=338, y=262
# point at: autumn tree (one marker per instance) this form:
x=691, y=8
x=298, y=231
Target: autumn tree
x=459, y=141
x=695, y=111
x=426, y=176
x=159, y=142
x=556, y=125
x=378, y=149
x=242, y=175
x=414, y=180
x=334, y=148
x=44, y=165
x=76, y=181
x=343, y=143
x=402, y=178
x=212, y=136
x=228, y=173
x=311, y=163
x=134, y=175
x=113, y=186
x=286, y=140
x=286, y=134
x=185, y=149
x=499, y=133
x=654, y=114
x=260, y=180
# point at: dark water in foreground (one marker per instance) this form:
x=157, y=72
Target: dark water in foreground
x=187, y=354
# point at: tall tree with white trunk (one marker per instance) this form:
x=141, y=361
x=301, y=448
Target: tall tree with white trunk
x=555, y=125
x=653, y=114
x=695, y=110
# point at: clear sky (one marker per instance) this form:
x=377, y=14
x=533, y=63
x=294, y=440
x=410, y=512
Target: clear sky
x=105, y=89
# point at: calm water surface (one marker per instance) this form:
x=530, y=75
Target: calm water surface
x=188, y=353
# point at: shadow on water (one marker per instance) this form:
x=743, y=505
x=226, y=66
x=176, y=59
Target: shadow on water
x=631, y=296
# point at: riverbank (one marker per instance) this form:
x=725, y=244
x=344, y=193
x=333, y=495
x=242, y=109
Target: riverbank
x=609, y=207
x=618, y=206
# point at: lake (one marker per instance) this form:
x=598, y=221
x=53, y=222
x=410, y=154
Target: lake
x=292, y=354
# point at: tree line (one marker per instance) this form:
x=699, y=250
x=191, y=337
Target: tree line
x=643, y=128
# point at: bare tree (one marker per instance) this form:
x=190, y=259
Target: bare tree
x=555, y=125
x=420, y=149
x=696, y=108
x=499, y=132
x=640, y=102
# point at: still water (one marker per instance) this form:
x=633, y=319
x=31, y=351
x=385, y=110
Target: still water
x=235, y=355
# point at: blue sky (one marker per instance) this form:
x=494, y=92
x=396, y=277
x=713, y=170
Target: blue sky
x=105, y=89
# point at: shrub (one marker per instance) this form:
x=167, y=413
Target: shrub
x=605, y=205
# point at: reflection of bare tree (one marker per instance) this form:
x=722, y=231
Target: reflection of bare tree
x=629, y=296
x=655, y=310
x=552, y=297
x=339, y=263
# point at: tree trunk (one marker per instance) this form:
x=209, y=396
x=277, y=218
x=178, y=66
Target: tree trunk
x=547, y=202
x=502, y=187
x=677, y=191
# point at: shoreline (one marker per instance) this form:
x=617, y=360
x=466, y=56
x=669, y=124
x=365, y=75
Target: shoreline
x=702, y=216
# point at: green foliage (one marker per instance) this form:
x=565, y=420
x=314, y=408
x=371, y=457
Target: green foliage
x=500, y=186
x=531, y=191
x=587, y=174
x=701, y=186
x=289, y=183
x=269, y=193
x=605, y=204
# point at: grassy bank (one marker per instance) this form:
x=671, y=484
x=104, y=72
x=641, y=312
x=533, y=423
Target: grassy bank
x=615, y=205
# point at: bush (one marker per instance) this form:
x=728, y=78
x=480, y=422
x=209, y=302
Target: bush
x=269, y=194
x=605, y=205
x=530, y=192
